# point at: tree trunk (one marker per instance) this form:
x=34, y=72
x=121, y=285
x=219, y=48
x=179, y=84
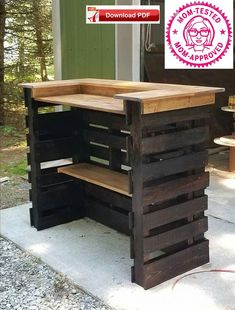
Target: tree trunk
x=2, y=34
x=39, y=39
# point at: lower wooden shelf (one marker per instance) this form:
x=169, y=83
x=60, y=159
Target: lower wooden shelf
x=100, y=176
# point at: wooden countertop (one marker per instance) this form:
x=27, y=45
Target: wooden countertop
x=110, y=95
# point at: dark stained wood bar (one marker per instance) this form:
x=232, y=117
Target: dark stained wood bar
x=130, y=155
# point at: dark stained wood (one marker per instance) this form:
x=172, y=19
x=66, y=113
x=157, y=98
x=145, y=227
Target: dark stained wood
x=102, y=152
x=175, y=264
x=174, y=140
x=176, y=235
x=32, y=108
x=163, y=204
x=107, y=216
x=58, y=216
x=137, y=187
x=103, y=137
x=177, y=187
x=53, y=179
x=113, y=121
x=164, y=118
x=59, y=196
x=107, y=196
x=59, y=124
x=173, y=166
x=55, y=149
x=174, y=213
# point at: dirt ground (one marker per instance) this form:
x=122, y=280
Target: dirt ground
x=13, y=165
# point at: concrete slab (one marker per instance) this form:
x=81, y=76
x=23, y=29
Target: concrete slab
x=97, y=259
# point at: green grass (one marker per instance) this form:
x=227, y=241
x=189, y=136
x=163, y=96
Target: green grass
x=17, y=169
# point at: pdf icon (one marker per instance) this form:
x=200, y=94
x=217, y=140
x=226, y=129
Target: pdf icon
x=199, y=35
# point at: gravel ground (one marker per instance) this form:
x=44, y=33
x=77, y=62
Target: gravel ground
x=14, y=192
x=27, y=283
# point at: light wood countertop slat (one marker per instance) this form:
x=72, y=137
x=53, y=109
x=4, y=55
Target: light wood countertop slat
x=103, y=177
x=91, y=102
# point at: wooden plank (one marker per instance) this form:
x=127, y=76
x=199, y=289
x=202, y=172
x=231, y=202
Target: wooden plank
x=174, y=213
x=171, y=141
x=103, y=153
x=91, y=102
x=113, y=121
x=53, y=179
x=51, y=123
x=103, y=177
x=99, y=151
x=55, y=91
x=58, y=216
x=232, y=159
x=164, y=168
x=102, y=136
x=182, y=91
x=135, y=153
x=171, y=189
x=170, y=104
x=32, y=108
x=55, y=149
x=107, y=216
x=175, y=264
x=62, y=195
x=177, y=116
x=176, y=235
x=109, y=197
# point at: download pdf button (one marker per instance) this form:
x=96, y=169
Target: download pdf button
x=123, y=14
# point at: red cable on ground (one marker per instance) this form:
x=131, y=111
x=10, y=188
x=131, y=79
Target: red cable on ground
x=202, y=271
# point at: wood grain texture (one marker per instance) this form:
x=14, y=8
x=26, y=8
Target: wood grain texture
x=164, y=168
x=171, y=141
x=176, y=235
x=170, y=266
x=91, y=102
x=174, y=213
x=171, y=189
x=154, y=97
x=106, y=178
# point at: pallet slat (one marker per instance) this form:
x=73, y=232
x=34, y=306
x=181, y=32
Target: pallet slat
x=59, y=196
x=105, y=138
x=176, y=235
x=171, y=189
x=170, y=117
x=113, y=121
x=171, y=141
x=175, y=264
x=55, y=149
x=107, y=216
x=107, y=196
x=173, y=166
x=174, y=213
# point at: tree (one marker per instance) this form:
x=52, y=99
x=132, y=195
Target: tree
x=2, y=34
x=28, y=53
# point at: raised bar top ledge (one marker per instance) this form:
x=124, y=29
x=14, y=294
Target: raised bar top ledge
x=109, y=95
x=119, y=83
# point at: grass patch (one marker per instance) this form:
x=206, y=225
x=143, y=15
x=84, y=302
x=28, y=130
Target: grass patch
x=17, y=168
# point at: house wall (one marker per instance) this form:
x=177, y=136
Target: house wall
x=86, y=50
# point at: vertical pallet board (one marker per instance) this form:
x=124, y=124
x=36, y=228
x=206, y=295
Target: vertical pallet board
x=54, y=196
x=168, y=160
x=134, y=117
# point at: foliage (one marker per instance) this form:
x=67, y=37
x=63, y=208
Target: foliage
x=28, y=52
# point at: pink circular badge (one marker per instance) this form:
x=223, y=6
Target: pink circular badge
x=199, y=34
